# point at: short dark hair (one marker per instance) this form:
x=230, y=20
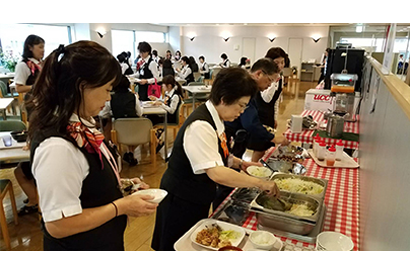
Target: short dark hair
x=275, y=52
x=121, y=58
x=169, y=79
x=267, y=65
x=144, y=47
x=202, y=57
x=224, y=56
x=30, y=41
x=231, y=84
x=123, y=86
x=155, y=53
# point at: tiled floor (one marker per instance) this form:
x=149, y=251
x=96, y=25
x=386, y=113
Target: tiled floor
x=27, y=234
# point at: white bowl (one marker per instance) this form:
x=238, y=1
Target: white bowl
x=159, y=194
x=262, y=239
x=259, y=171
x=333, y=241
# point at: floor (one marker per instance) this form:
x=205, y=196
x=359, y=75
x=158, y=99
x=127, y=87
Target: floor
x=28, y=236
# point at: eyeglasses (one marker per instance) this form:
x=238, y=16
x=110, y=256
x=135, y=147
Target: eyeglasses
x=271, y=79
x=243, y=107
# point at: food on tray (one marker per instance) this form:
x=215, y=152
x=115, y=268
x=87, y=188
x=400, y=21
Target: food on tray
x=297, y=185
x=300, y=210
x=216, y=237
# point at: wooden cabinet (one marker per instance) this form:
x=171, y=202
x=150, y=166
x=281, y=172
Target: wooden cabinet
x=309, y=72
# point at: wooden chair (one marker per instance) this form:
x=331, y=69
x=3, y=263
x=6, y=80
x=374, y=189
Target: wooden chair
x=180, y=119
x=133, y=132
x=188, y=99
x=7, y=186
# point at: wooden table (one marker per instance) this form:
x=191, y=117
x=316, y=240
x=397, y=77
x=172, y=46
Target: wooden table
x=197, y=90
x=149, y=109
x=4, y=104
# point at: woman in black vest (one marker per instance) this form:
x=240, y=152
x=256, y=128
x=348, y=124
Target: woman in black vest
x=204, y=70
x=167, y=68
x=225, y=61
x=26, y=74
x=147, y=70
x=186, y=71
x=81, y=192
x=199, y=160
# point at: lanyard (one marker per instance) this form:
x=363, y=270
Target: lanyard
x=113, y=166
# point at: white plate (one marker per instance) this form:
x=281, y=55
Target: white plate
x=263, y=170
x=224, y=226
x=276, y=247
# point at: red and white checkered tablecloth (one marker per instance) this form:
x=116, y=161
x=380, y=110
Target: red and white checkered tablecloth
x=306, y=136
x=341, y=200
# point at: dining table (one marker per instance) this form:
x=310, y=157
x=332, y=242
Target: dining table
x=4, y=104
x=14, y=153
x=194, y=90
x=306, y=136
x=148, y=108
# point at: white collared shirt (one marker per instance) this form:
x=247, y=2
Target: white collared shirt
x=153, y=67
x=174, y=101
x=206, y=67
x=60, y=169
x=23, y=72
x=201, y=142
x=185, y=72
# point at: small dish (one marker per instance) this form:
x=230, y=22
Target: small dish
x=333, y=241
x=159, y=194
x=259, y=172
x=262, y=239
x=230, y=248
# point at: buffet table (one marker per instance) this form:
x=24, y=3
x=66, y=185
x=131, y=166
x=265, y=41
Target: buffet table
x=306, y=136
x=341, y=201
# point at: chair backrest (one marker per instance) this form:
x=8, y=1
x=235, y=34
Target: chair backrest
x=215, y=71
x=196, y=84
x=12, y=125
x=178, y=113
x=133, y=131
x=3, y=88
x=197, y=75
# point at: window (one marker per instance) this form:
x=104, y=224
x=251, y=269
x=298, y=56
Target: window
x=123, y=40
x=376, y=43
x=147, y=36
x=12, y=37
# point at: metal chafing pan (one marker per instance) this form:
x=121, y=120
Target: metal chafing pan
x=322, y=182
x=284, y=221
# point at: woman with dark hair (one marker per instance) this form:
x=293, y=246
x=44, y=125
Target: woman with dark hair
x=323, y=65
x=27, y=71
x=225, y=61
x=193, y=64
x=242, y=63
x=199, y=160
x=147, y=70
x=125, y=66
x=81, y=192
x=167, y=68
x=186, y=71
x=155, y=56
x=178, y=56
x=204, y=70
x=266, y=101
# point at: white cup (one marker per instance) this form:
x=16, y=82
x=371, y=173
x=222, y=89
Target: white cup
x=333, y=241
x=7, y=140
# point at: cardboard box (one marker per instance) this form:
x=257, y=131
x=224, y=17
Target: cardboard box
x=317, y=100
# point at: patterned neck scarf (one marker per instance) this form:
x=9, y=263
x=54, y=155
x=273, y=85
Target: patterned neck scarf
x=224, y=145
x=90, y=140
x=33, y=67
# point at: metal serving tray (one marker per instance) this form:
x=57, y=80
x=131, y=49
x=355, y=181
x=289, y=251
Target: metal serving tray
x=322, y=182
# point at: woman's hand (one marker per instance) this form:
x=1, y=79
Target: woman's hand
x=152, y=98
x=143, y=81
x=271, y=188
x=246, y=164
x=136, y=205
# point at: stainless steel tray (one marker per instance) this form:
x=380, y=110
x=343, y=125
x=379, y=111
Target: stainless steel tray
x=308, y=238
x=322, y=182
x=313, y=203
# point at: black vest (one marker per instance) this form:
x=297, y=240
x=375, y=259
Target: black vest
x=179, y=179
x=190, y=78
x=123, y=105
x=206, y=75
x=99, y=188
x=30, y=81
x=172, y=118
x=266, y=111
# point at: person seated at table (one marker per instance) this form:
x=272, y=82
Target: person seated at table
x=171, y=103
x=193, y=64
x=186, y=71
x=225, y=61
x=204, y=70
x=123, y=104
x=125, y=66
x=26, y=73
x=200, y=160
x=167, y=68
x=147, y=70
x=242, y=63
x=83, y=200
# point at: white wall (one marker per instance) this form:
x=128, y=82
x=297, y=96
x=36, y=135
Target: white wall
x=209, y=42
x=174, y=36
